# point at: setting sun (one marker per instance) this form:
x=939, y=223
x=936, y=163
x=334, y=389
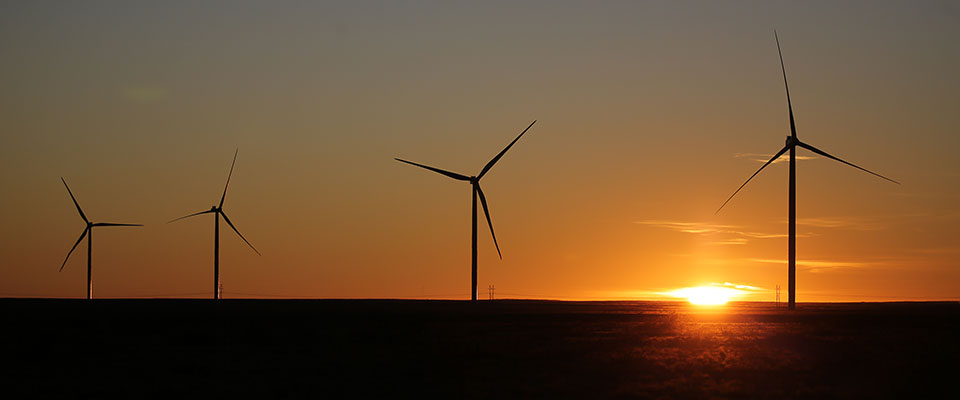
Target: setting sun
x=706, y=295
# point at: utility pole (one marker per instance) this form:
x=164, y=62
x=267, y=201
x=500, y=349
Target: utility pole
x=778, y=296
x=491, y=289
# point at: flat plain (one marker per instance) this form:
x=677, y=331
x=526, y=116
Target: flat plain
x=487, y=349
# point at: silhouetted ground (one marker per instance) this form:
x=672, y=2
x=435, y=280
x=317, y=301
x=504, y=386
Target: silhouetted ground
x=490, y=350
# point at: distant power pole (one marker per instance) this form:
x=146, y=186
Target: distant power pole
x=220, y=291
x=778, y=296
x=490, y=290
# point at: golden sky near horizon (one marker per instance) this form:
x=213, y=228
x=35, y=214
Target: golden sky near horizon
x=649, y=115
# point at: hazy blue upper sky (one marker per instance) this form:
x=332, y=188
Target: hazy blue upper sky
x=650, y=115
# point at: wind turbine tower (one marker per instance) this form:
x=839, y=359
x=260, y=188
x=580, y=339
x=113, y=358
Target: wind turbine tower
x=791, y=145
x=88, y=233
x=477, y=192
x=217, y=212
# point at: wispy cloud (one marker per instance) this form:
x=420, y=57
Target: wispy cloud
x=739, y=286
x=730, y=242
x=936, y=250
x=817, y=266
x=874, y=223
x=853, y=223
x=730, y=234
x=758, y=157
x=689, y=227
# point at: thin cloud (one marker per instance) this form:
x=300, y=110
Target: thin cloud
x=937, y=250
x=740, y=286
x=735, y=235
x=730, y=242
x=757, y=235
x=853, y=223
x=758, y=157
x=816, y=266
x=688, y=227
x=872, y=223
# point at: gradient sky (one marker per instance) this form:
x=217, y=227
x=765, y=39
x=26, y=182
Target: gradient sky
x=650, y=115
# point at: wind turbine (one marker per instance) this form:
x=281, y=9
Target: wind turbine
x=791, y=145
x=217, y=212
x=475, y=183
x=88, y=233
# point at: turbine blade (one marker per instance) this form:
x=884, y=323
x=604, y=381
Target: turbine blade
x=74, y=201
x=497, y=158
x=775, y=156
x=793, y=126
x=191, y=215
x=453, y=175
x=114, y=224
x=823, y=153
x=82, y=235
x=238, y=232
x=228, y=177
x=483, y=201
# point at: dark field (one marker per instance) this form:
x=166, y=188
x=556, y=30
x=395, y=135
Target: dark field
x=490, y=350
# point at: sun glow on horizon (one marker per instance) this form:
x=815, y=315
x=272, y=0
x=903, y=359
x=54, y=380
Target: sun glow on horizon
x=707, y=295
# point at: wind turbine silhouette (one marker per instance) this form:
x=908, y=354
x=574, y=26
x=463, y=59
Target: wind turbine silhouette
x=475, y=183
x=218, y=212
x=88, y=233
x=791, y=145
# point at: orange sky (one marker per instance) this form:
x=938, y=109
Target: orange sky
x=650, y=115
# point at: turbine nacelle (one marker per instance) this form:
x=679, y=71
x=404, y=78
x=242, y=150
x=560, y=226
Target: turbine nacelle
x=792, y=141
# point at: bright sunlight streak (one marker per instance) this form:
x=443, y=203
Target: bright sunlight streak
x=707, y=295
